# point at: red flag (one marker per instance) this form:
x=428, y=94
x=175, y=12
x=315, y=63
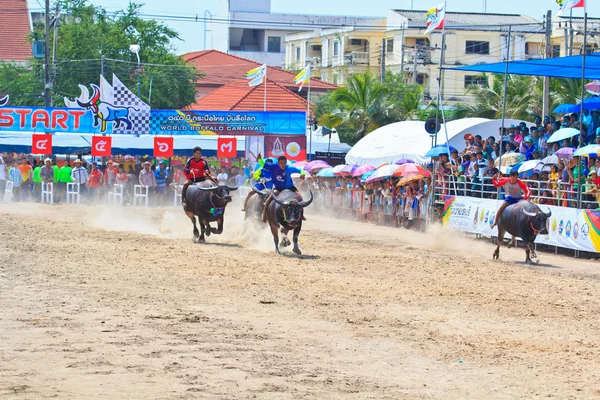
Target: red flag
x=101, y=146
x=163, y=147
x=41, y=144
x=226, y=147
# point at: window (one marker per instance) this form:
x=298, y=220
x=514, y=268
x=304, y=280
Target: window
x=471, y=80
x=336, y=48
x=274, y=44
x=476, y=47
x=389, y=45
x=420, y=79
x=556, y=51
x=422, y=42
x=297, y=53
x=355, y=42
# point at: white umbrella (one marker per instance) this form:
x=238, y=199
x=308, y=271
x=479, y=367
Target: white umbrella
x=550, y=160
x=562, y=134
x=383, y=172
x=529, y=165
x=338, y=168
x=587, y=150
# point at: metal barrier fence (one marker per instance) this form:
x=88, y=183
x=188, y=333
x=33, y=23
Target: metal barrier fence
x=140, y=193
x=177, y=195
x=8, y=191
x=47, y=193
x=115, y=196
x=73, y=193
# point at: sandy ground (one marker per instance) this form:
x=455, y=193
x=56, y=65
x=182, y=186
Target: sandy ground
x=118, y=304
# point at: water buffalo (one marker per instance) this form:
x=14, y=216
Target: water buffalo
x=207, y=201
x=285, y=214
x=524, y=220
x=255, y=205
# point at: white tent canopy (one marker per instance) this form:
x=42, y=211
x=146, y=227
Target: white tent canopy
x=408, y=139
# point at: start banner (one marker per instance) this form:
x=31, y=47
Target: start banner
x=569, y=228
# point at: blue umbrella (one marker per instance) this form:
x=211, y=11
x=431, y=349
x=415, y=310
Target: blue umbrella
x=566, y=109
x=366, y=175
x=591, y=103
x=326, y=173
x=435, y=151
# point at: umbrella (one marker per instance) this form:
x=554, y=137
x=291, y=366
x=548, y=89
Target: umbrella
x=408, y=169
x=326, y=173
x=338, y=168
x=294, y=175
x=360, y=171
x=307, y=166
x=591, y=149
x=383, y=172
x=366, y=175
x=510, y=159
x=529, y=165
x=593, y=87
x=435, y=151
x=409, y=178
x=565, y=152
x=566, y=109
x=348, y=170
x=299, y=164
x=591, y=103
x=550, y=160
x=562, y=134
x=506, y=170
x=316, y=167
x=404, y=161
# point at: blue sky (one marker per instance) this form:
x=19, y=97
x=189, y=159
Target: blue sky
x=192, y=32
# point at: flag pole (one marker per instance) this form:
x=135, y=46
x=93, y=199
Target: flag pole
x=265, y=94
x=583, y=59
x=308, y=115
x=508, y=42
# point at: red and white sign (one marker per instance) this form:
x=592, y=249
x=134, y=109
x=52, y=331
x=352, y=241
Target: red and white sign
x=41, y=144
x=101, y=146
x=163, y=147
x=226, y=147
x=292, y=147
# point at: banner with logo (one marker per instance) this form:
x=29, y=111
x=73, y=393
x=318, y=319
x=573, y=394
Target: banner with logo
x=101, y=146
x=569, y=228
x=41, y=144
x=293, y=147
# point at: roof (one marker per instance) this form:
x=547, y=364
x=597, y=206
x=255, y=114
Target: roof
x=239, y=96
x=14, y=31
x=472, y=20
x=221, y=68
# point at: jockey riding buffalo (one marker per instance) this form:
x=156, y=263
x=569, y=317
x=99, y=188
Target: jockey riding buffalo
x=524, y=220
x=255, y=204
x=207, y=201
x=285, y=213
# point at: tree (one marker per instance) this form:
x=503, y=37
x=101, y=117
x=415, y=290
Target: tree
x=360, y=104
x=86, y=36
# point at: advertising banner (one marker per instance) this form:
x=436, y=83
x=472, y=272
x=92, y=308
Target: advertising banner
x=568, y=227
x=293, y=147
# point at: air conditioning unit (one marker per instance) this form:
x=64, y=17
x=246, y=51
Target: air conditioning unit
x=38, y=49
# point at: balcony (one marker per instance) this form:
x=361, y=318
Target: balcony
x=356, y=58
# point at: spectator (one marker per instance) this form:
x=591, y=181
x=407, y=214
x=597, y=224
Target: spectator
x=489, y=173
x=247, y=170
x=37, y=182
x=26, y=176
x=121, y=178
x=223, y=177
x=3, y=176
x=80, y=176
x=240, y=178
x=47, y=172
x=64, y=177
x=94, y=182
x=14, y=175
x=147, y=179
x=160, y=176
x=110, y=175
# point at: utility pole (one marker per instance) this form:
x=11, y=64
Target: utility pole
x=47, y=92
x=382, y=60
x=102, y=60
x=402, y=52
x=546, y=94
x=415, y=64
x=56, y=15
x=571, y=33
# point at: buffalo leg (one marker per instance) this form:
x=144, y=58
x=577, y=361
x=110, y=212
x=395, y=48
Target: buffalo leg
x=512, y=243
x=219, y=229
x=527, y=254
x=285, y=242
x=496, y=254
x=201, y=239
x=192, y=217
x=275, y=232
x=296, y=249
x=208, y=229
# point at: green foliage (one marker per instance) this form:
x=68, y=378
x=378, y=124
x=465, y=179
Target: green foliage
x=364, y=104
x=89, y=33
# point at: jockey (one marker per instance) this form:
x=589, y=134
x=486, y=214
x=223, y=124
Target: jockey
x=281, y=174
x=515, y=190
x=263, y=181
x=196, y=170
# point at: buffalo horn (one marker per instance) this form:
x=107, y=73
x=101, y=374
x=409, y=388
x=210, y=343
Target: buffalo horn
x=529, y=213
x=231, y=189
x=281, y=203
x=209, y=189
x=549, y=213
x=307, y=202
x=263, y=192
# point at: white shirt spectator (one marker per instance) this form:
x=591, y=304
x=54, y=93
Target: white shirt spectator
x=79, y=175
x=222, y=178
x=240, y=179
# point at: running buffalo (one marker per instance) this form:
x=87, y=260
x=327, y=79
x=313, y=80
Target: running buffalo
x=524, y=220
x=285, y=214
x=207, y=201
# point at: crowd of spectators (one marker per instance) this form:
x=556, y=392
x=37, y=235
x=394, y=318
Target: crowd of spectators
x=469, y=171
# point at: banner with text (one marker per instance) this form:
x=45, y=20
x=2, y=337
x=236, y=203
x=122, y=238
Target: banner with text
x=569, y=228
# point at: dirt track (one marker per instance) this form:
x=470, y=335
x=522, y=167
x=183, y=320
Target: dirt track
x=90, y=307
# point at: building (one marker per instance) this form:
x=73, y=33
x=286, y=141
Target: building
x=562, y=33
x=336, y=52
x=220, y=69
x=250, y=30
x=15, y=27
x=471, y=38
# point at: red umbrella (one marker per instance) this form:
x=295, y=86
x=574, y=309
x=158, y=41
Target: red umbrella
x=408, y=169
x=593, y=88
x=360, y=171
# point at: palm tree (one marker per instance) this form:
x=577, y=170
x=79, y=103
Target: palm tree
x=360, y=104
